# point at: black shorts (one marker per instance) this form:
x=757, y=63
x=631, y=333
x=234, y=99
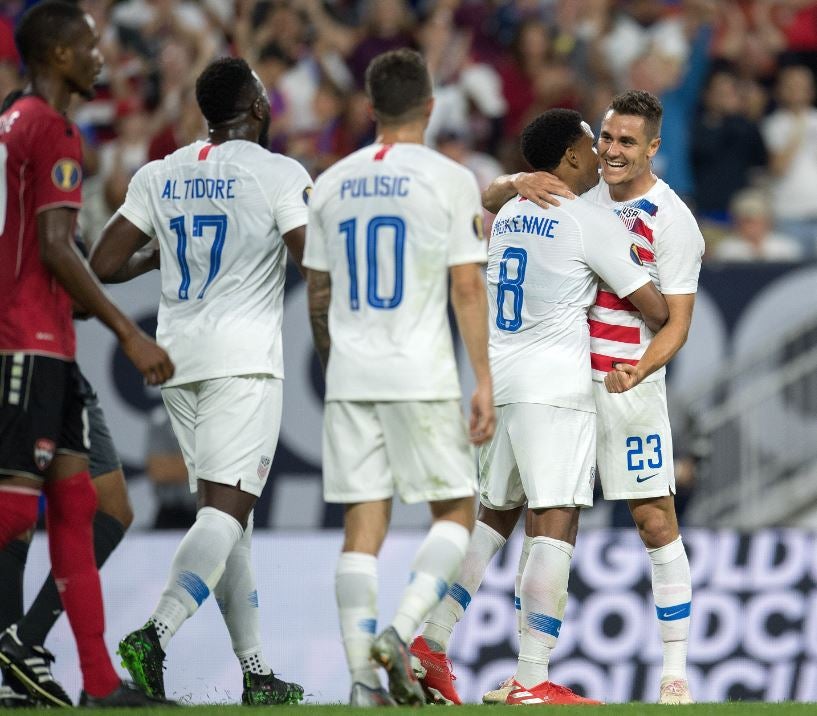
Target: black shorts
x=103, y=457
x=42, y=412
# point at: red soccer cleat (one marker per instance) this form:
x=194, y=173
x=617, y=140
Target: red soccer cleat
x=546, y=693
x=438, y=683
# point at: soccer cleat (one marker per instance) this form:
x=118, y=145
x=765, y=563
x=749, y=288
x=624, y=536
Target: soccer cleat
x=269, y=690
x=674, y=691
x=391, y=653
x=13, y=699
x=438, y=682
x=365, y=696
x=499, y=694
x=31, y=665
x=143, y=657
x=126, y=696
x=546, y=693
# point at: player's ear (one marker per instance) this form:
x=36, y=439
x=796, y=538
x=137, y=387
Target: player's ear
x=653, y=146
x=62, y=55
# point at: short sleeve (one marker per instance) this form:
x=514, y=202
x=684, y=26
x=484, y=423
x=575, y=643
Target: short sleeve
x=679, y=248
x=290, y=203
x=467, y=242
x=607, y=251
x=56, y=160
x=315, y=251
x=136, y=207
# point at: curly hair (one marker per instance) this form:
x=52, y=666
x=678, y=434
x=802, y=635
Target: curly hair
x=225, y=88
x=640, y=104
x=546, y=139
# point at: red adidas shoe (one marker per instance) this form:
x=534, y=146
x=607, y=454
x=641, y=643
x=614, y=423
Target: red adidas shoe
x=438, y=683
x=545, y=693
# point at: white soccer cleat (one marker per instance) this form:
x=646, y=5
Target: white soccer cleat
x=498, y=695
x=674, y=691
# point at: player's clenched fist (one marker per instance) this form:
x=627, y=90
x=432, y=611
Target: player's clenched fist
x=150, y=359
x=622, y=378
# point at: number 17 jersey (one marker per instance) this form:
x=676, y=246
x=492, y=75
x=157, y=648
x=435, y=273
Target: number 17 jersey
x=387, y=222
x=219, y=213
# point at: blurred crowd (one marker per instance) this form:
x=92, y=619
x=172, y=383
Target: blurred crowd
x=737, y=79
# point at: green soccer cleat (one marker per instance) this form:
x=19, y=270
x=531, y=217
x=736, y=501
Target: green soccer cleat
x=143, y=657
x=269, y=690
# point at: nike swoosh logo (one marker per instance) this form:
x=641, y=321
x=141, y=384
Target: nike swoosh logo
x=644, y=479
x=669, y=615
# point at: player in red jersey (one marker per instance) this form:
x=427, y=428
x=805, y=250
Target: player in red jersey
x=43, y=423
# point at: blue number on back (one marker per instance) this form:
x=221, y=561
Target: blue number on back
x=512, y=286
x=349, y=229
x=200, y=222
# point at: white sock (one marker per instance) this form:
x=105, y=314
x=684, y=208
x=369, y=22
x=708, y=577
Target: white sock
x=485, y=542
x=196, y=568
x=356, y=595
x=672, y=591
x=517, y=585
x=544, y=596
x=237, y=599
x=436, y=564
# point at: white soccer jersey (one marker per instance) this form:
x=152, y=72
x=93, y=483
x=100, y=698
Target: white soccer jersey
x=543, y=268
x=667, y=241
x=219, y=212
x=386, y=222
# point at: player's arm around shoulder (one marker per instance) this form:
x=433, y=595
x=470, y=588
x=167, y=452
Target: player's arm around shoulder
x=541, y=188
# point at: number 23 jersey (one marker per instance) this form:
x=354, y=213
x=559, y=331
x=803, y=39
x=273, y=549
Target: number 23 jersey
x=219, y=213
x=387, y=222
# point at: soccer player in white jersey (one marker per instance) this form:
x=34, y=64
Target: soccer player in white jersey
x=224, y=212
x=634, y=443
x=543, y=272
x=388, y=226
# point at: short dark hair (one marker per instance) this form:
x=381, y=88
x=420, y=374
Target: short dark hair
x=224, y=89
x=546, y=139
x=398, y=85
x=640, y=103
x=45, y=26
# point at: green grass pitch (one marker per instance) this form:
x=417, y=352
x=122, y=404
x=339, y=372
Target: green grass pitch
x=743, y=708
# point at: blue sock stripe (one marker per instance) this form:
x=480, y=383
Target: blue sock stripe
x=460, y=595
x=193, y=585
x=544, y=623
x=517, y=602
x=368, y=625
x=671, y=614
x=253, y=598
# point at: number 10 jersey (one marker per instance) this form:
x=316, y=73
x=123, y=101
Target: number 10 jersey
x=219, y=213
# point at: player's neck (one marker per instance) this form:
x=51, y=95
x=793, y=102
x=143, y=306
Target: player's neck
x=409, y=133
x=52, y=90
x=225, y=133
x=633, y=189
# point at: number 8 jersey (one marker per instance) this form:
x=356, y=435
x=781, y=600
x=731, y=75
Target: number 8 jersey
x=543, y=269
x=386, y=222
x=219, y=213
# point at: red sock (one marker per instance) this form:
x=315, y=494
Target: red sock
x=18, y=513
x=70, y=508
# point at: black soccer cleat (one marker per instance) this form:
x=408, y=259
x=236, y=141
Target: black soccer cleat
x=269, y=690
x=11, y=698
x=31, y=666
x=127, y=696
x=143, y=657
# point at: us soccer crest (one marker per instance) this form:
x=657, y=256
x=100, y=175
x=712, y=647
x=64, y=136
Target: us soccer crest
x=44, y=452
x=263, y=467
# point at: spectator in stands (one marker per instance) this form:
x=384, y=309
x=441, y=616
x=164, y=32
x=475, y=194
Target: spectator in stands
x=727, y=147
x=791, y=138
x=754, y=238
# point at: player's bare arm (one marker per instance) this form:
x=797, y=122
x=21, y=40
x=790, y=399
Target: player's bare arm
x=469, y=299
x=666, y=343
x=319, y=293
x=118, y=255
x=294, y=241
x=541, y=188
x=60, y=255
x=652, y=305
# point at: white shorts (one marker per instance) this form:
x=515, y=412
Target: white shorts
x=540, y=454
x=634, y=442
x=418, y=449
x=227, y=428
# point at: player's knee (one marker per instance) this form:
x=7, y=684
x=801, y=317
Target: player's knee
x=656, y=530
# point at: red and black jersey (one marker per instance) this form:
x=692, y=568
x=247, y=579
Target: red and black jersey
x=41, y=158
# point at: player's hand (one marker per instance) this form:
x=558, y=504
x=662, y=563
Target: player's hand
x=540, y=188
x=150, y=359
x=623, y=377
x=483, y=417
